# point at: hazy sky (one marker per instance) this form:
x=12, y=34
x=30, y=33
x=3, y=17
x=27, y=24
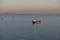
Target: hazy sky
x=30, y=6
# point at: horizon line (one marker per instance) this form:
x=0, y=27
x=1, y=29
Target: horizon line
x=29, y=14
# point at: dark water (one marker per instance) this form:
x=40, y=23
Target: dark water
x=19, y=27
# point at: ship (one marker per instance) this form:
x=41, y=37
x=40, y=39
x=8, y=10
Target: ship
x=36, y=21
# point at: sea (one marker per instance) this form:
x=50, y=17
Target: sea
x=20, y=27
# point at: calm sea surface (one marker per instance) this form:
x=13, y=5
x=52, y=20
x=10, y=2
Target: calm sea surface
x=20, y=27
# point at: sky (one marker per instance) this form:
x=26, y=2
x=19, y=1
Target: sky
x=30, y=6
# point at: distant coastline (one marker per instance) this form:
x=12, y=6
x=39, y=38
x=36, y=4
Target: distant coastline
x=31, y=14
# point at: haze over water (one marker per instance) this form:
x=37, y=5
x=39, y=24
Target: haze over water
x=20, y=27
x=30, y=6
